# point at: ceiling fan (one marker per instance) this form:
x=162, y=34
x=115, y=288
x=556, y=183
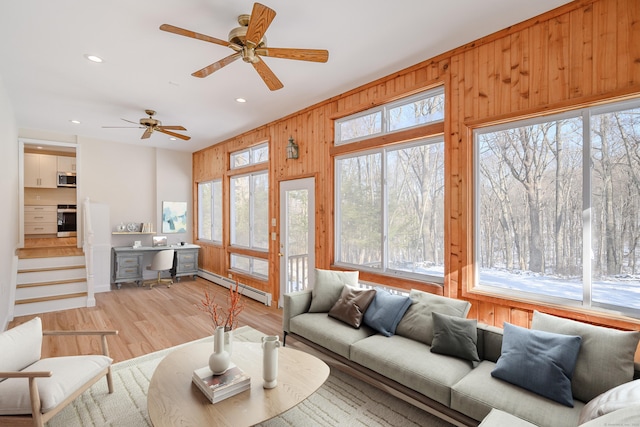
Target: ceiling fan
x=249, y=43
x=149, y=124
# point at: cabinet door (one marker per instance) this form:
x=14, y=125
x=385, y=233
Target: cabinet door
x=48, y=171
x=31, y=170
x=66, y=164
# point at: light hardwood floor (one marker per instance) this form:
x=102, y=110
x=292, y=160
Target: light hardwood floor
x=147, y=320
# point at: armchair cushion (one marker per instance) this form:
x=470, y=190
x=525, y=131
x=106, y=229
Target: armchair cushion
x=70, y=373
x=21, y=346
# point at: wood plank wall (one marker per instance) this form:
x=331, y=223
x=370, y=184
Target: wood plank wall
x=585, y=52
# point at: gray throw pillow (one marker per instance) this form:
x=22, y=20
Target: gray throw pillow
x=328, y=287
x=385, y=311
x=606, y=356
x=455, y=336
x=417, y=323
x=539, y=361
x=351, y=305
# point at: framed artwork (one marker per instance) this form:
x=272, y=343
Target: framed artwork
x=174, y=217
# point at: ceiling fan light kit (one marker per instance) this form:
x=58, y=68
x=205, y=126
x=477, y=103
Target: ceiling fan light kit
x=248, y=42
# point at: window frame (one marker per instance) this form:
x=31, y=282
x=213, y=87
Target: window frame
x=585, y=113
x=215, y=183
x=384, y=270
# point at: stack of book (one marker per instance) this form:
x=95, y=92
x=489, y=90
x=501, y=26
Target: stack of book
x=219, y=387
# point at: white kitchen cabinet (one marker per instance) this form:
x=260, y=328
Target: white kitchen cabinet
x=40, y=170
x=66, y=164
x=40, y=219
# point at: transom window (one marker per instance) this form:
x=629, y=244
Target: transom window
x=417, y=110
x=558, y=208
x=250, y=156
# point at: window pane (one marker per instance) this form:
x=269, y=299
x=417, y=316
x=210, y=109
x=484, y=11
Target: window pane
x=261, y=211
x=615, y=174
x=415, y=181
x=260, y=154
x=240, y=159
x=260, y=267
x=216, y=220
x=416, y=113
x=242, y=263
x=204, y=207
x=360, y=204
x=359, y=127
x=530, y=208
x=240, y=211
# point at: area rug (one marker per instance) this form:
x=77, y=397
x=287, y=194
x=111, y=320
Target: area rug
x=341, y=401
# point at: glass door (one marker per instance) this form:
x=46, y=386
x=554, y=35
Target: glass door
x=297, y=235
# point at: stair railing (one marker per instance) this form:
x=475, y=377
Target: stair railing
x=87, y=247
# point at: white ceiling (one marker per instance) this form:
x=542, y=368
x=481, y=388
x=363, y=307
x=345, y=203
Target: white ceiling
x=49, y=82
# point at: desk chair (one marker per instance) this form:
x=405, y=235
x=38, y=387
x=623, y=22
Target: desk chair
x=162, y=261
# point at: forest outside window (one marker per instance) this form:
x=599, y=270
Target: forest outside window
x=390, y=208
x=210, y=211
x=557, y=209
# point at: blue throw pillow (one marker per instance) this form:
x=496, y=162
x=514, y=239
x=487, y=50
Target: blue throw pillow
x=541, y=362
x=385, y=311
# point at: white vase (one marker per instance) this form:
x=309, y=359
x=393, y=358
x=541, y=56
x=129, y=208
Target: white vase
x=270, y=346
x=219, y=359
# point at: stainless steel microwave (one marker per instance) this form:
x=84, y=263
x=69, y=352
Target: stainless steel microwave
x=66, y=179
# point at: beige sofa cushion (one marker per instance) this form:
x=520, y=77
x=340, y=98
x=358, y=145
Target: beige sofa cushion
x=21, y=346
x=605, y=359
x=328, y=286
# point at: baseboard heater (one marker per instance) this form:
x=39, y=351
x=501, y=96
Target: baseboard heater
x=248, y=291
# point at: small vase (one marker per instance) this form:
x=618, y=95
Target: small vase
x=228, y=341
x=270, y=346
x=219, y=360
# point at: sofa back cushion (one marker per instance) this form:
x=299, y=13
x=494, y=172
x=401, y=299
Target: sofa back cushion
x=327, y=288
x=606, y=355
x=417, y=323
x=21, y=346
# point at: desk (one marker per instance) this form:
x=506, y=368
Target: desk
x=126, y=262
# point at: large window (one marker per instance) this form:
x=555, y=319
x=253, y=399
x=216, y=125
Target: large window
x=389, y=210
x=250, y=211
x=210, y=211
x=558, y=207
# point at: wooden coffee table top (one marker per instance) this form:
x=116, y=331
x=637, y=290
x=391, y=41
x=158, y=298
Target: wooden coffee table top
x=174, y=400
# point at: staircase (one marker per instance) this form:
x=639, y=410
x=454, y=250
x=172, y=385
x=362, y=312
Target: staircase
x=50, y=281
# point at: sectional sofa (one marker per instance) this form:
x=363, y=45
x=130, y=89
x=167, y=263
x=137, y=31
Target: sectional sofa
x=422, y=348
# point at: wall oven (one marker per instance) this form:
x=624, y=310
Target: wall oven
x=67, y=220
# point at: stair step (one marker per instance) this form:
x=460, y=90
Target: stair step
x=51, y=298
x=37, y=270
x=52, y=282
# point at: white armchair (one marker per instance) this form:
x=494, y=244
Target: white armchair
x=32, y=389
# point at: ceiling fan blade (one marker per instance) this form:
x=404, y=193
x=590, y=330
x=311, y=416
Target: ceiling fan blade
x=129, y=121
x=267, y=75
x=216, y=65
x=315, y=55
x=177, y=135
x=188, y=33
x=147, y=133
x=171, y=127
x=261, y=18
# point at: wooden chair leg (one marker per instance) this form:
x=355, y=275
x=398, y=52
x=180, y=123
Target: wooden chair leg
x=35, y=403
x=110, y=381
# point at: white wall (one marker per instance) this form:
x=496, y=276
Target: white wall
x=9, y=197
x=173, y=176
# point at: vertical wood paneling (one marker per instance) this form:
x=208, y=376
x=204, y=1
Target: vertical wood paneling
x=570, y=55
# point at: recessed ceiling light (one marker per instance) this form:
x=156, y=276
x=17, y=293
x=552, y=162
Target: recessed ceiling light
x=75, y=122
x=241, y=100
x=172, y=139
x=93, y=58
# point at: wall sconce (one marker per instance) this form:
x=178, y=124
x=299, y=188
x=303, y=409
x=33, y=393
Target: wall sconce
x=292, y=149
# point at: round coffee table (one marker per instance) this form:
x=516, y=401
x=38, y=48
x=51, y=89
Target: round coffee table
x=174, y=400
